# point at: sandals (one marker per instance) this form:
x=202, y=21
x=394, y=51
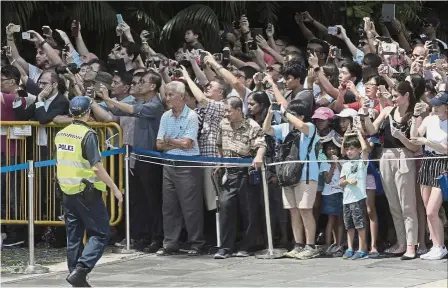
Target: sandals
x=195, y=251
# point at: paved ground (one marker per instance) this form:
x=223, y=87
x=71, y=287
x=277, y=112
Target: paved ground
x=185, y=271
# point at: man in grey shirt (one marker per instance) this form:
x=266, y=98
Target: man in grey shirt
x=146, y=189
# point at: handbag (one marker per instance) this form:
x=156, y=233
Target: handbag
x=443, y=182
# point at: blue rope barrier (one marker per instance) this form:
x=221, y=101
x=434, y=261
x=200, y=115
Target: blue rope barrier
x=52, y=162
x=192, y=158
x=12, y=168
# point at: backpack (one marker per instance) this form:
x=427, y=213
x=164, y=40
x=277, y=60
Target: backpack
x=289, y=174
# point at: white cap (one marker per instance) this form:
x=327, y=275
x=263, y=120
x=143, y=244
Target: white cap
x=347, y=112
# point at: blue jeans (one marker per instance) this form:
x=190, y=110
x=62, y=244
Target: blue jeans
x=92, y=217
x=14, y=190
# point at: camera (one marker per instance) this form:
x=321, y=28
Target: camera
x=336, y=53
x=275, y=106
x=218, y=57
x=389, y=48
x=71, y=67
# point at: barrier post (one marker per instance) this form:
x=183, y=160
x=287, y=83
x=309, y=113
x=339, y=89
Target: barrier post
x=127, y=249
x=32, y=268
x=269, y=253
x=218, y=231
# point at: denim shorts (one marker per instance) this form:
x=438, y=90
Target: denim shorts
x=355, y=215
x=332, y=204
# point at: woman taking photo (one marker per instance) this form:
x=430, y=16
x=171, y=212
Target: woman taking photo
x=398, y=176
x=435, y=128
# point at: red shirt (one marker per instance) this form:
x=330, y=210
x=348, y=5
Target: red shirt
x=357, y=106
x=8, y=114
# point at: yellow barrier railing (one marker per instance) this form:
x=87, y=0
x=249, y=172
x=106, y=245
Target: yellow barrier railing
x=29, y=140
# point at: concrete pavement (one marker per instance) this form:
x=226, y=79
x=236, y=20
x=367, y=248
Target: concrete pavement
x=200, y=271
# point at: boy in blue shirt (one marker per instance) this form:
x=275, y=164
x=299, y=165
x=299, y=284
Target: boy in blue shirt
x=353, y=179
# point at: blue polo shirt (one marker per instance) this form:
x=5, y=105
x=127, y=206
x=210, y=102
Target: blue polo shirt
x=185, y=126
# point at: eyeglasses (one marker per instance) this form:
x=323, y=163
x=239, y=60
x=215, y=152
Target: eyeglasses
x=43, y=83
x=370, y=84
x=141, y=82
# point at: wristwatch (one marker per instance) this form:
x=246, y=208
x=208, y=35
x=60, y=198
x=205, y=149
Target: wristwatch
x=167, y=140
x=317, y=69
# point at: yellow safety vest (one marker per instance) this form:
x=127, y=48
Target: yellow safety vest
x=71, y=166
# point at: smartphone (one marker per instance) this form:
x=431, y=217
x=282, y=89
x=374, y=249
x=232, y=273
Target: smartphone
x=236, y=25
x=337, y=53
x=424, y=37
x=150, y=36
x=166, y=62
x=15, y=29
x=218, y=57
x=252, y=45
x=75, y=29
x=177, y=73
x=384, y=39
x=7, y=50
x=260, y=76
x=256, y=31
x=46, y=30
x=119, y=19
x=275, y=106
x=388, y=12
x=22, y=93
x=226, y=54
x=433, y=58
x=97, y=87
x=333, y=30
x=203, y=54
x=26, y=35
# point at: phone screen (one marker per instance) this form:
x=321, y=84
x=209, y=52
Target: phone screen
x=119, y=19
x=15, y=29
x=433, y=58
x=275, y=106
x=256, y=31
x=26, y=35
x=46, y=30
x=388, y=12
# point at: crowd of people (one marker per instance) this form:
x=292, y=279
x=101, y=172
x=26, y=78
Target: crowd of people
x=358, y=114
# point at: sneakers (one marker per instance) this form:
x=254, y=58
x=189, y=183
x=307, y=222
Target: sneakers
x=243, y=254
x=223, y=254
x=153, y=247
x=329, y=250
x=308, y=253
x=348, y=254
x=436, y=253
x=338, y=251
x=359, y=255
x=294, y=253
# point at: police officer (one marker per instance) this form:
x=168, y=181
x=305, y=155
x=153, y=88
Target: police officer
x=82, y=179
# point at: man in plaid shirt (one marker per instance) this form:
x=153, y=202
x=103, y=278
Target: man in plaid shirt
x=211, y=112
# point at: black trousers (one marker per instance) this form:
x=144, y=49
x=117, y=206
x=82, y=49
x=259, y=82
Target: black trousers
x=90, y=216
x=237, y=195
x=145, y=189
x=183, y=200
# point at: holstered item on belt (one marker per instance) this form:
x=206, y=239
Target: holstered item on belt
x=254, y=176
x=90, y=193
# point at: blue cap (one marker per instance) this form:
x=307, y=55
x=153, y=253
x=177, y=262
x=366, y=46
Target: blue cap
x=440, y=99
x=79, y=105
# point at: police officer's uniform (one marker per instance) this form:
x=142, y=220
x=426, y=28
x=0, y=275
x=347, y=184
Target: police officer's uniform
x=77, y=151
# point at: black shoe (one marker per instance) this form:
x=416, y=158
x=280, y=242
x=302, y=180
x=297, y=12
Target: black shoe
x=404, y=257
x=153, y=247
x=78, y=277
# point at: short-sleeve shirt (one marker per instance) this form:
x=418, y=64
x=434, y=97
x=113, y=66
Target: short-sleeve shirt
x=333, y=187
x=185, y=126
x=34, y=72
x=436, y=131
x=280, y=133
x=241, y=142
x=354, y=170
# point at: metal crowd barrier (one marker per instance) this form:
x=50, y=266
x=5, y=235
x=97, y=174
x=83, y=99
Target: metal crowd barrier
x=26, y=140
